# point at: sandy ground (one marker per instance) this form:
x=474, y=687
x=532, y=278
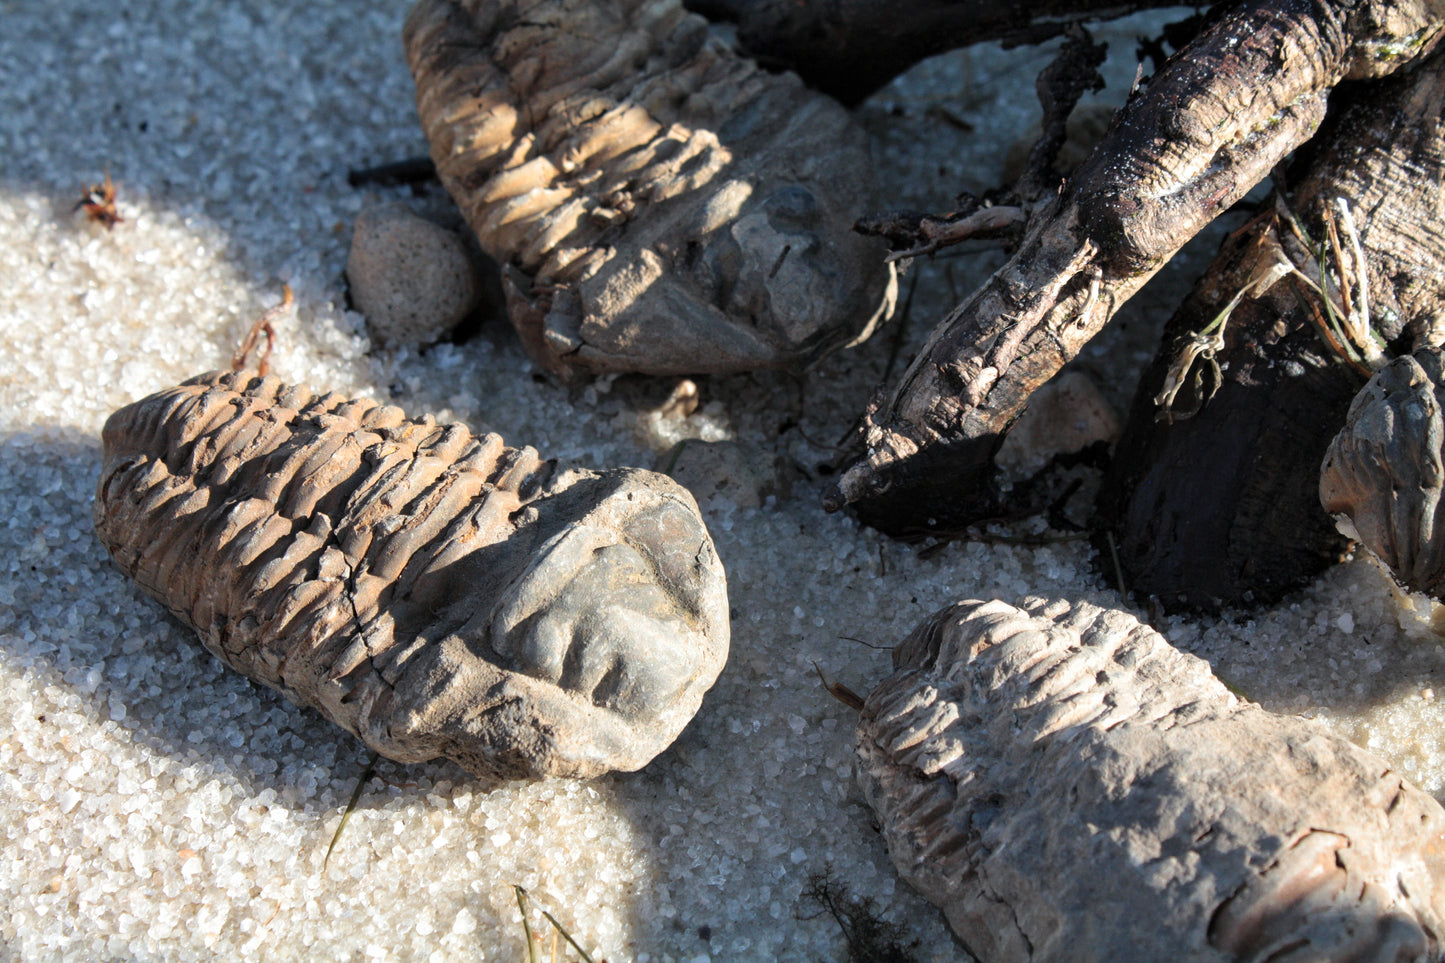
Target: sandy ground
x=155, y=805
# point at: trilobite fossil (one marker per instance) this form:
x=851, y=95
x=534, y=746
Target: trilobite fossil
x=433, y=592
x=1065, y=785
x=660, y=203
x=1384, y=473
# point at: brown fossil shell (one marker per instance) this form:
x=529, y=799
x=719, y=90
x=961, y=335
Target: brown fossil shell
x=662, y=204
x=433, y=592
x=1384, y=472
x=1065, y=785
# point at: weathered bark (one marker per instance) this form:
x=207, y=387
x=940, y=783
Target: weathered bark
x=660, y=204
x=1065, y=785
x=432, y=592
x=1384, y=474
x=1223, y=112
x=1221, y=506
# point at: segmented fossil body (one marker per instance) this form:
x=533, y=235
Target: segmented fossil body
x=662, y=204
x=1066, y=785
x=434, y=592
x=1384, y=473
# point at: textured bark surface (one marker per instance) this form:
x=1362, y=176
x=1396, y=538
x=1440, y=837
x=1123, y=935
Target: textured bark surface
x=1065, y=785
x=1217, y=118
x=665, y=206
x=1384, y=473
x=1221, y=506
x=432, y=592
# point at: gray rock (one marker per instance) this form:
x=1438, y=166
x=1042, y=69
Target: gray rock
x=1065, y=785
x=413, y=280
x=1066, y=415
x=432, y=592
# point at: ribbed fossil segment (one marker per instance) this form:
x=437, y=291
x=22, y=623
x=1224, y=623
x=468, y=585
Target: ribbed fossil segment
x=1384, y=473
x=1066, y=785
x=662, y=204
x=433, y=592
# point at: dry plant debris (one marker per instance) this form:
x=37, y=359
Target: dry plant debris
x=869, y=937
x=1213, y=494
x=1191, y=141
x=433, y=592
x=98, y=203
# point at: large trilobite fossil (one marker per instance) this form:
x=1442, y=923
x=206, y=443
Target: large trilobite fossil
x=434, y=592
x=1066, y=785
x=660, y=203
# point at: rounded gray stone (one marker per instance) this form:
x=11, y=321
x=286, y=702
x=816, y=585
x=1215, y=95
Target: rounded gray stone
x=412, y=279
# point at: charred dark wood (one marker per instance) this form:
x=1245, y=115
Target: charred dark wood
x=1218, y=506
x=1004, y=215
x=850, y=48
x=412, y=170
x=1071, y=75
x=1221, y=505
x=1224, y=111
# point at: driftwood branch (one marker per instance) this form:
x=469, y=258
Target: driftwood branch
x=1188, y=145
x=1212, y=498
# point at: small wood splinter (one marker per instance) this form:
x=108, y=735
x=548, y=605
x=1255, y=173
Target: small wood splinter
x=262, y=326
x=99, y=203
x=840, y=691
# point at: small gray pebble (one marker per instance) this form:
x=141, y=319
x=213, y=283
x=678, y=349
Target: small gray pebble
x=412, y=279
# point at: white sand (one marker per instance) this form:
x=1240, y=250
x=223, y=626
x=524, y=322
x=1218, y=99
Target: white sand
x=155, y=805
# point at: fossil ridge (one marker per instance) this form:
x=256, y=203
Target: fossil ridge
x=660, y=203
x=433, y=592
x=1065, y=785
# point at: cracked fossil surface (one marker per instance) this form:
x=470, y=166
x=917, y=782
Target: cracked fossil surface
x=660, y=203
x=433, y=592
x=1065, y=785
x=1384, y=473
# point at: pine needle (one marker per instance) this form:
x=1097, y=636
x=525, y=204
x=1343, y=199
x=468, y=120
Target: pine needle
x=350, y=807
